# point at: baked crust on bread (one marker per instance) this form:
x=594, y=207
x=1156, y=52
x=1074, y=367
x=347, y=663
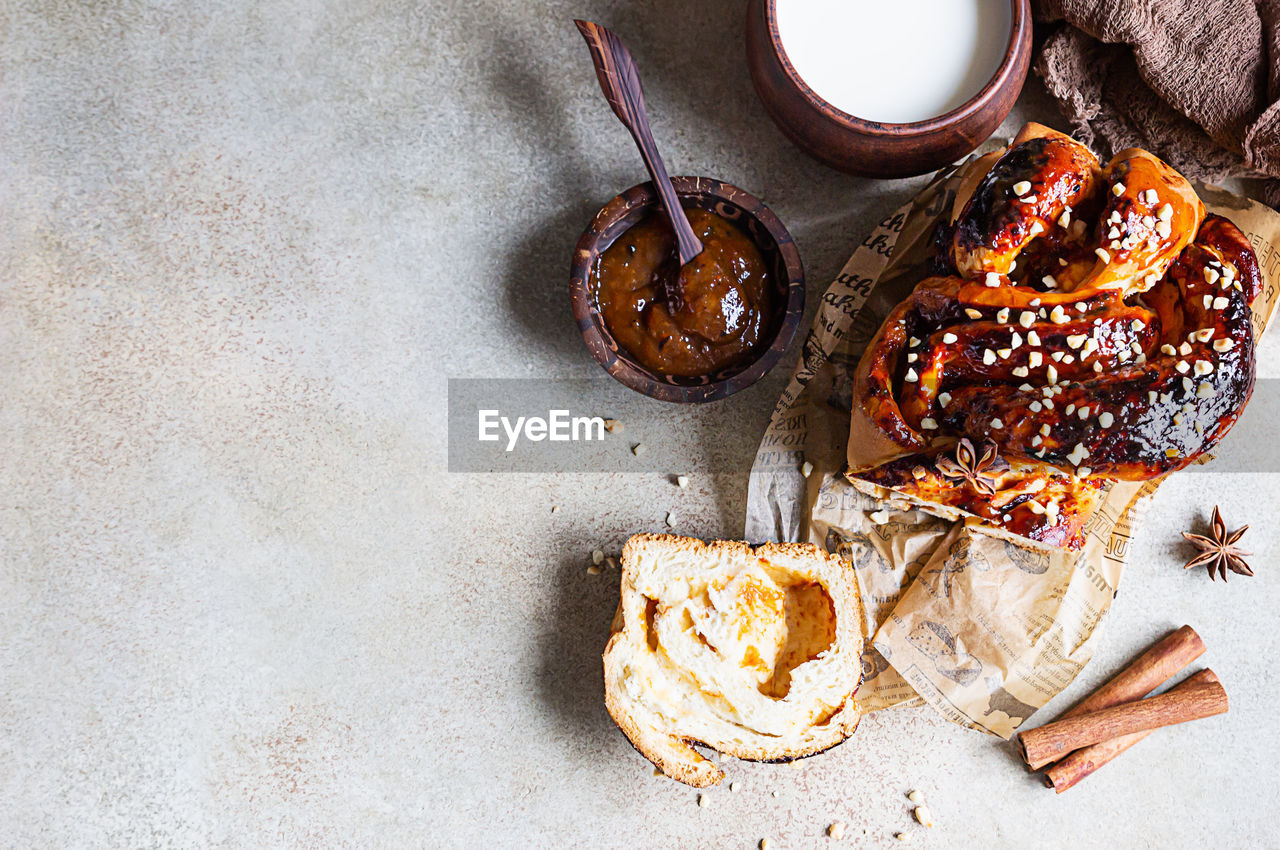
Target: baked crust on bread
x=1090, y=322
x=752, y=651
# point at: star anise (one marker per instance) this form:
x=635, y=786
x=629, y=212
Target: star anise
x=1218, y=551
x=983, y=473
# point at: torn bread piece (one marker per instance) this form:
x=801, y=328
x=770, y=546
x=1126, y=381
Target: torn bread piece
x=753, y=651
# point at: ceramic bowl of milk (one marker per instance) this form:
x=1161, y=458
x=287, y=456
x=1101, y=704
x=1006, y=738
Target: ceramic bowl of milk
x=888, y=88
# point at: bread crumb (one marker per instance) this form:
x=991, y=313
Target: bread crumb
x=733, y=786
x=836, y=830
x=671, y=519
x=682, y=481
x=916, y=797
x=555, y=508
x=775, y=793
x=807, y=469
x=703, y=801
x=923, y=816
x=597, y=557
x=764, y=844
x=613, y=426
x=901, y=836
x=637, y=449
x=657, y=771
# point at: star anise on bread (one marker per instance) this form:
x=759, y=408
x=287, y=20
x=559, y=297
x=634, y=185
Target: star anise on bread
x=981, y=472
x=1218, y=550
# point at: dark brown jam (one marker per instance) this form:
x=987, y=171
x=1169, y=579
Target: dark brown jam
x=688, y=321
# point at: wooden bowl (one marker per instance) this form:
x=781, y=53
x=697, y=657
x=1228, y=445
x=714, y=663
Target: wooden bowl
x=873, y=148
x=753, y=218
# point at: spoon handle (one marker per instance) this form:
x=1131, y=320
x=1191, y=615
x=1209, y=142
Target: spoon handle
x=620, y=82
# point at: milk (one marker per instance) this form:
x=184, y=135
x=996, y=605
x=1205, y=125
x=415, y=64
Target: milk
x=895, y=61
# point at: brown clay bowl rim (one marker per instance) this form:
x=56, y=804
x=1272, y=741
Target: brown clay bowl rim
x=593, y=242
x=1019, y=28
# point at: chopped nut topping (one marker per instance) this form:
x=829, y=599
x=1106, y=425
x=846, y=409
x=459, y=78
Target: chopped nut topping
x=949, y=338
x=972, y=313
x=807, y=469
x=1022, y=187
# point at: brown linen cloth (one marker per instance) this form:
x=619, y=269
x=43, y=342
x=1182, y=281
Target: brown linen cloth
x=1197, y=81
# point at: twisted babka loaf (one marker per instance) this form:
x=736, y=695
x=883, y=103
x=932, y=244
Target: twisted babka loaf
x=1091, y=324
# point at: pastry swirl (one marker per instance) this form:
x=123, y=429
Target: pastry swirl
x=754, y=651
x=1092, y=322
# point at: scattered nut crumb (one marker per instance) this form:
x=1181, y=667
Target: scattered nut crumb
x=682, y=481
x=611, y=563
x=775, y=793
x=657, y=771
x=916, y=797
x=879, y=517
x=901, y=836
x=597, y=557
x=703, y=801
x=807, y=469
x=555, y=508
x=593, y=570
x=764, y=844
x=637, y=449
x=923, y=816
x=613, y=426
x=733, y=786
x=671, y=519
x=836, y=830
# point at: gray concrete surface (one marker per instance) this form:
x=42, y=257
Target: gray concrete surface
x=243, y=603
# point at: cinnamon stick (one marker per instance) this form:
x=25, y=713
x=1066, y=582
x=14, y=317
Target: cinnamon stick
x=1147, y=672
x=1054, y=740
x=1085, y=761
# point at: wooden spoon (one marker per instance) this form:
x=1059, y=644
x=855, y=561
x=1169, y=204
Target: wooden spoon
x=620, y=82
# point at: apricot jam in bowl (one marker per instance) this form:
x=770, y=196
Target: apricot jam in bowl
x=697, y=333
